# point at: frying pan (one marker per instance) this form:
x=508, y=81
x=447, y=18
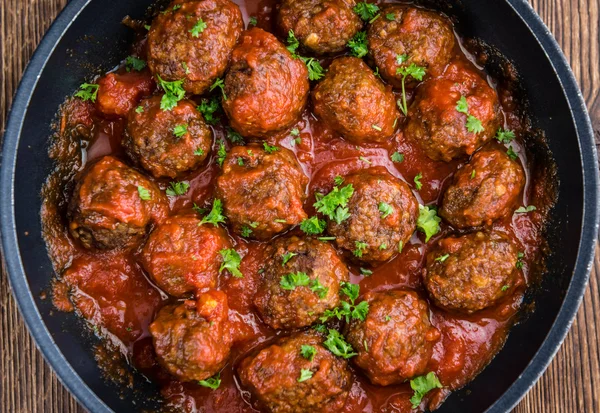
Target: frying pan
x=90, y=32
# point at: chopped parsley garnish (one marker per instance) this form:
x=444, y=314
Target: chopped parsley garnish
x=208, y=107
x=412, y=70
x=338, y=180
x=178, y=188
x=144, y=194
x=295, y=132
x=417, y=181
x=180, y=130
x=235, y=137
x=199, y=209
x=88, y=91
x=304, y=375
x=462, y=106
x=505, y=136
x=199, y=152
x=390, y=16
x=313, y=226
x=212, y=382
x=221, y=153
x=385, y=209
x=377, y=128
x=139, y=109
x=219, y=84
x=174, y=92
x=366, y=11
x=134, y=63
x=511, y=153
x=421, y=386
x=321, y=328
x=286, y=257
x=365, y=160
x=473, y=124
x=147, y=26
x=505, y=287
x=473, y=173
x=333, y=205
x=315, y=70
x=366, y=272
x=336, y=343
x=428, y=221
x=308, y=352
x=358, y=45
x=525, y=209
x=215, y=216
x=231, y=262
x=319, y=288
x=186, y=68
x=397, y=157
x=240, y=161
x=270, y=148
x=246, y=231
x=293, y=43
x=348, y=310
x=442, y=258
x=252, y=21
x=387, y=318
x=360, y=248
x=520, y=261
x=198, y=28
x=300, y=279
x=280, y=221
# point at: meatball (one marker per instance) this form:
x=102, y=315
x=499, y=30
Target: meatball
x=193, y=41
x=395, y=341
x=382, y=216
x=265, y=88
x=286, y=302
x=422, y=37
x=262, y=192
x=434, y=120
x=193, y=340
x=322, y=26
x=181, y=255
x=113, y=205
x=355, y=103
x=485, y=189
x=167, y=143
x=472, y=272
x=118, y=93
x=274, y=376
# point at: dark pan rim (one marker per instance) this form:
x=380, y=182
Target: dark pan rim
x=86, y=397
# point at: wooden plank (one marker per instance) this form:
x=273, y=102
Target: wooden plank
x=572, y=382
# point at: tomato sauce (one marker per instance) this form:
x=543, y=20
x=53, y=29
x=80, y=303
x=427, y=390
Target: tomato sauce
x=111, y=291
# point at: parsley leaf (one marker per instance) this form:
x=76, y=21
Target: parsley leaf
x=144, y=193
x=292, y=280
x=337, y=198
x=286, y=257
x=390, y=16
x=428, y=222
x=421, y=386
x=397, y=157
x=212, y=382
x=208, y=107
x=505, y=136
x=198, y=28
x=180, y=130
x=221, y=153
x=417, y=180
x=511, y=153
x=337, y=345
x=442, y=258
x=270, y=148
x=304, y=375
x=416, y=72
x=88, y=92
x=474, y=125
x=385, y=209
x=366, y=11
x=308, y=352
x=520, y=263
x=338, y=180
x=293, y=43
x=524, y=210
x=231, y=262
x=246, y=231
x=235, y=137
x=215, y=216
x=139, y=109
x=134, y=63
x=462, y=106
x=199, y=152
x=360, y=248
x=313, y=226
x=218, y=84
x=315, y=70
x=178, y=188
x=252, y=21
x=319, y=288
x=174, y=92
x=358, y=44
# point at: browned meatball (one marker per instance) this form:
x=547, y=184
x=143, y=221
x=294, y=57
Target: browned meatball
x=382, y=215
x=472, y=272
x=395, y=342
x=167, y=143
x=273, y=376
x=193, y=340
x=422, y=37
x=113, y=205
x=355, y=103
x=265, y=88
x=301, y=280
x=436, y=124
x=323, y=26
x=485, y=189
x=193, y=41
x=262, y=192
x=181, y=255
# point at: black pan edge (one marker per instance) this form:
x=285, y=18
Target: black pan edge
x=44, y=341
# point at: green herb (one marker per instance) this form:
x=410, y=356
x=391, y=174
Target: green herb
x=333, y=205
x=462, y=106
x=252, y=21
x=520, y=261
x=383, y=246
x=218, y=84
x=313, y=226
x=315, y=70
x=292, y=280
x=134, y=63
x=421, y=386
x=270, y=148
x=308, y=352
x=231, y=262
x=178, y=188
x=321, y=328
x=412, y=70
x=88, y=91
x=212, y=383
x=377, y=128
x=144, y=193
x=318, y=288
x=348, y=310
x=139, y=109
x=235, y=137
x=388, y=318
x=293, y=43
x=524, y=210
x=473, y=172
x=174, y=92
x=215, y=216
x=428, y=222
x=442, y=258
x=180, y=130
x=199, y=210
x=390, y=16
x=397, y=157
x=366, y=272
x=511, y=153
x=246, y=231
x=304, y=375
x=198, y=28
x=338, y=180
x=147, y=26
x=336, y=343
x=286, y=257
x=326, y=238
x=358, y=45
x=199, y=152
x=365, y=345
x=360, y=248
x=417, y=180
x=400, y=246
x=385, y=209
x=186, y=68
x=505, y=287
x=240, y=161
x=208, y=107
x=280, y=221
x=366, y=11
x=505, y=136
x=295, y=132
x=473, y=124
x=365, y=160
x=221, y=153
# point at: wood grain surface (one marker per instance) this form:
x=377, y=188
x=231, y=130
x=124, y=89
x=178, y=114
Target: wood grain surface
x=570, y=385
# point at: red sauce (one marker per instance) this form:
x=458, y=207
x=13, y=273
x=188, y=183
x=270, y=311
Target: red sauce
x=113, y=294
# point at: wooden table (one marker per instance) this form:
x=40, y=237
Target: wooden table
x=570, y=385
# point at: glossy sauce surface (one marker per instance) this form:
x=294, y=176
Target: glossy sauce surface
x=111, y=291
